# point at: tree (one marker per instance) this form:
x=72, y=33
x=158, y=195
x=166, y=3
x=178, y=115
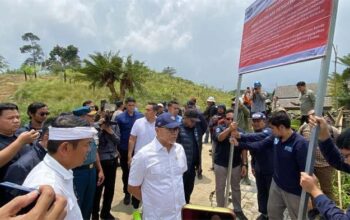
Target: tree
x=339, y=84
x=103, y=70
x=131, y=78
x=27, y=70
x=3, y=64
x=33, y=48
x=61, y=59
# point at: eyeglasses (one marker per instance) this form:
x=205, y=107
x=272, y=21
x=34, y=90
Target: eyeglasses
x=42, y=114
x=229, y=119
x=256, y=120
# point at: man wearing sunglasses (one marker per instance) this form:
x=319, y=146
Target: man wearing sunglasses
x=156, y=172
x=239, y=166
x=37, y=113
x=262, y=160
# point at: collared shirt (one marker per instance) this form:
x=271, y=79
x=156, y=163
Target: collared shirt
x=144, y=131
x=289, y=159
x=50, y=172
x=159, y=173
x=307, y=101
x=125, y=123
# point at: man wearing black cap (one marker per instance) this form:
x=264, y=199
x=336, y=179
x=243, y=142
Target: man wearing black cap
x=189, y=138
x=158, y=167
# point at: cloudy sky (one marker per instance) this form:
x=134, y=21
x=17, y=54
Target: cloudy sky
x=199, y=38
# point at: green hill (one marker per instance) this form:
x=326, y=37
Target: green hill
x=63, y=97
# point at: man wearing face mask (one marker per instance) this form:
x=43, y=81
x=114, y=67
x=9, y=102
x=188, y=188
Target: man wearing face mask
x=188, y=137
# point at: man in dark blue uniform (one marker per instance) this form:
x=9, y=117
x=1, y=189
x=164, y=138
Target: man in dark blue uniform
x=85, y=175
x=337, y=158
x=262, y=161
x=125, y=122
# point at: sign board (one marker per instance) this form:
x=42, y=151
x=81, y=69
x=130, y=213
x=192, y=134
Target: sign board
x=280, y=32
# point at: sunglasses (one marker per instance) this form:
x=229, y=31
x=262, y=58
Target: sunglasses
x=229, y=119
x=44, y=114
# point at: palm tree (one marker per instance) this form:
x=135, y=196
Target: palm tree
x=132, y=76
x=103, y=70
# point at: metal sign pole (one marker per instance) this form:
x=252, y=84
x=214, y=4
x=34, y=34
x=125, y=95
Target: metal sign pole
x=321, y=91
x=229, y=171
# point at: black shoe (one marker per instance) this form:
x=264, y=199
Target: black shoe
x=94, y=216
x=126, y=199
x=262, y=217
x=199, y=175
x=107, y=216
x=240, y=215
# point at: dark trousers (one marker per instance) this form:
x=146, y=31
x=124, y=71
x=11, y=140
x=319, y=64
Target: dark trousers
x=109, y=168
x=125, y=169
x=188, y=179
x=263, y=182
x=85, y=187
x=135, y=202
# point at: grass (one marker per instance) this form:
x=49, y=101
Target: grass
x=64, y=97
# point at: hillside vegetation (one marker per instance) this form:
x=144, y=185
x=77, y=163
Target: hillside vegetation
x=64, y=97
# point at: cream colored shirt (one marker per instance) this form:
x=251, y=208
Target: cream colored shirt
x=159, y=173
x=50, y=172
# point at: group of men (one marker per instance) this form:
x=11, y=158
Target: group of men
x=76, y=154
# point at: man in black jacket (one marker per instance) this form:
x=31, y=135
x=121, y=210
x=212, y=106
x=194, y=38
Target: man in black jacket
x=188, y=137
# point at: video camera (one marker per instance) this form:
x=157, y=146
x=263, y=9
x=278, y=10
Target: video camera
x=108, y=109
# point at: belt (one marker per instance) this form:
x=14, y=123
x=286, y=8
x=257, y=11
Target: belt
x=87, y=166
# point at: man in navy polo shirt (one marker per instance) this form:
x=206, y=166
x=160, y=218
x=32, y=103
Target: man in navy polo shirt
x=290, y=151
x=125, y=122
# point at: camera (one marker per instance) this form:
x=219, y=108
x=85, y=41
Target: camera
x=108, y=109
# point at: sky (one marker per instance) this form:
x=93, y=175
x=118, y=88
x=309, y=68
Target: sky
x=201, y=39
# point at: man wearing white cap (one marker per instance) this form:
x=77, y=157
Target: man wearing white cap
x=68, y=145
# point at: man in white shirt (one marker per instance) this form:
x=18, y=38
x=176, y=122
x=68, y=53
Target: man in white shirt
x=142, y=133
x=156, y=173
x=68, y=145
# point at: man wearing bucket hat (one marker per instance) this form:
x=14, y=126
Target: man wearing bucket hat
x=156, y=172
